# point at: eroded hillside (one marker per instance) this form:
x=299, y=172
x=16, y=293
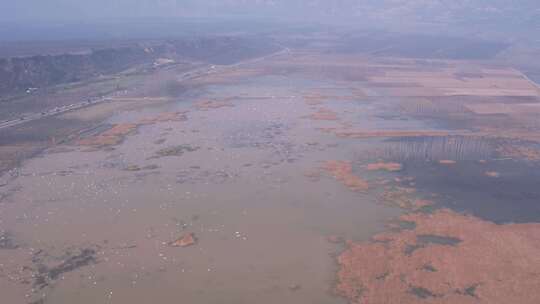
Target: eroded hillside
x=20, y=74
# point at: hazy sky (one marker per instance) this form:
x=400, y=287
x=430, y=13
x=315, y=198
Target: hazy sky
x=33, y=18
x=299, y=9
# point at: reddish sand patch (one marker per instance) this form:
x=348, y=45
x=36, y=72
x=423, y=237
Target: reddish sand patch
x=186, y=240
x=447, y=162
x=446, y=258
x=392, y=167
x=492, y=174
x=110, y=137
x=116, y=134
x=334, y=239
x=342, y=171
x=420, y=203
x=120, y=130
x=205, y=105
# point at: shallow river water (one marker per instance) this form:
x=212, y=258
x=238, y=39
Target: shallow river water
x=246, y=176
x=262, y=226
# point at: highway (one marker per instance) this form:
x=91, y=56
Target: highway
x=193, y=74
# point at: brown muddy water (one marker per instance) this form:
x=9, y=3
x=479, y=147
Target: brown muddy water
x=246, y=172
x=92, y=225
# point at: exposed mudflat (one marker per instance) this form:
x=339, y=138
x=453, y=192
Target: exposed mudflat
x=302, y=178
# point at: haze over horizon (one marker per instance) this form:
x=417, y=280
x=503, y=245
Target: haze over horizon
x=526, y=11
x=113, y=19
